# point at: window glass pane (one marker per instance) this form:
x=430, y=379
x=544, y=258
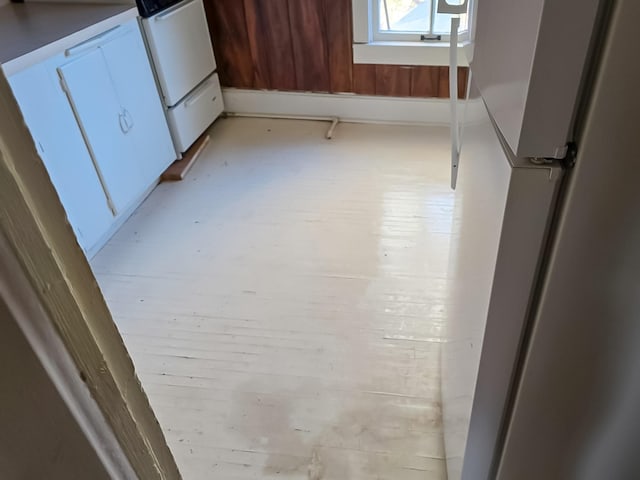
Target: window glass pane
x=404, y=15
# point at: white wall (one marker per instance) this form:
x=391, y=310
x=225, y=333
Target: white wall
x=40, y=438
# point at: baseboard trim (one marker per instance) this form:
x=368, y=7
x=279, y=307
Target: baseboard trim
x=347, y=107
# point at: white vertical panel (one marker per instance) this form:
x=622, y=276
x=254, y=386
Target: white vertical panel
x=361, y=21
x=502, y=212
x=479, y=210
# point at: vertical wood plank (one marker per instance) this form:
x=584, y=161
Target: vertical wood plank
x=339, y=26
x=309, y=45
x=256, y=31
x=364, y=79
x=443, y=88
x=463, y=76
x=269, y=30
x=393, y=80
x=278, y=26
x=425, y=82
x=306, y=45
x=228, y=28
x=443, y=83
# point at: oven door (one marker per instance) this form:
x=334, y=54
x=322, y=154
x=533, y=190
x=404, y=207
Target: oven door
x=181, y=48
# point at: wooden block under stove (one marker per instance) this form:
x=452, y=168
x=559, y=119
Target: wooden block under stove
x=179, y=169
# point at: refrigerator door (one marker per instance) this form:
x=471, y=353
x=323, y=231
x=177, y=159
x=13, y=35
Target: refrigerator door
x=576, y=413
x=503, y=208
x=529, y=59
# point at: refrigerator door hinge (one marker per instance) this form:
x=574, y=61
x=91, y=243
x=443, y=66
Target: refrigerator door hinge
x=569, y=159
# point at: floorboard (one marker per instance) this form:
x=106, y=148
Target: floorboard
x=284, y=304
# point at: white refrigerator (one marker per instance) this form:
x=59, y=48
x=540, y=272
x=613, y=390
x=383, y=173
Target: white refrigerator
x=541, y=358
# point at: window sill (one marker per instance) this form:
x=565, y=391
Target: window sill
x=410, y=53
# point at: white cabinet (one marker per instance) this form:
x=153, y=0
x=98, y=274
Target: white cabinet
x=112, y=91
x=95, y=114
x=62, y=149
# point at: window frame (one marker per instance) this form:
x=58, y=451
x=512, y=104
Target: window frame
x=378, y=35
x=371, y=46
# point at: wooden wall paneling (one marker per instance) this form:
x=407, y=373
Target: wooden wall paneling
x=258, y=35
x=443, y=83
x=364, y=79
x=393, y=80
x=305, y=45
x=228, y=28
x=339, y=36
x=309, y=37
x=443, y=87
x=269, y=29
x=463, y=77
x=425, y=82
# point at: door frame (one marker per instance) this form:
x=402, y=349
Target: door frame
x=47, y=255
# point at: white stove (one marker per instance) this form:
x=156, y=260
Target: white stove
x=180, y=46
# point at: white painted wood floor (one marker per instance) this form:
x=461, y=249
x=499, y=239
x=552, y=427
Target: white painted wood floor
x=284, y=304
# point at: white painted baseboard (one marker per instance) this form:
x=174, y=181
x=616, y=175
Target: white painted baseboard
x=347, y=107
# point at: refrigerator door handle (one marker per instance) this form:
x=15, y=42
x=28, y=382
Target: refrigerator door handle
x=452, y=8
x=453, y=95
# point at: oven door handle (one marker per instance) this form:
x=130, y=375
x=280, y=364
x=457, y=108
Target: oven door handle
x=172, y=11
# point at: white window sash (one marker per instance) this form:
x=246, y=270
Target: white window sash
x=366, y=31
x=402, y=49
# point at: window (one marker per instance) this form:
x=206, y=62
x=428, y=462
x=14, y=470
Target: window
x=411, y=20
x=408, y=32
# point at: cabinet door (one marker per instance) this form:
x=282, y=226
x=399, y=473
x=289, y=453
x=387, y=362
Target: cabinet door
x=103, y=120
x=111, y=88
x=130, y=70
x=63, y=151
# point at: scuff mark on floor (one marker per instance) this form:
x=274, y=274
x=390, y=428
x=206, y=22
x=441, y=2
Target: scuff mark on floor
x=316, y=468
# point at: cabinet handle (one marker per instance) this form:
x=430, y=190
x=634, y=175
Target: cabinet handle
x=123, y=124
x=126, y=121
x=97, y=41
x=171, y=12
